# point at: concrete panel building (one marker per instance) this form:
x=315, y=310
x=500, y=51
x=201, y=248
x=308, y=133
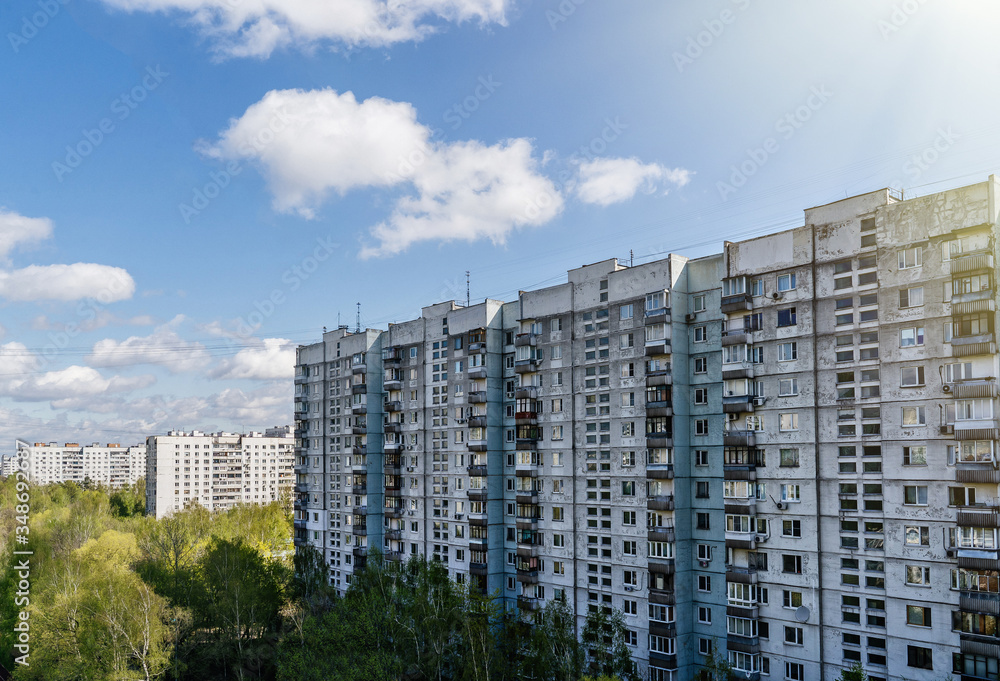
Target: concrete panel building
x=110, y=465
x=217, y=470
x=782, y=455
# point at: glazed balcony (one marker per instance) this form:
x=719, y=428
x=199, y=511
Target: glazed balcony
x=739, y=302
x=526, y=393
x=392, y=510
x=739, y=438
x=392, y=357
x=656, y=316
x=527, y=576
x=663, y=566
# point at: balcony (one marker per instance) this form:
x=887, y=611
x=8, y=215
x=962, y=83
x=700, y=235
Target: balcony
x=973, y=262
x=359, y=530
x=523, y=339
x=392, y=406
x=979, y=474
x=477, y=372
x=526, y=523
x=391, y=357
x=527, y=603
x=737, y=303
x=989, y=519
x=393, y=533
x=742, y=575
x=527, y=496
x=393, y=511
x=477, y=422
x=743, y=644
x=661, y=534
x=478, y=470
x=359, y=389
x=394, y=427
x=526, y=470
x=739, y=438
x=659, y=439
x=391, y=384
x=662, y=502
x=477, y=397
x=394, y=556
x=393, y=447
x=738, y=404
x=359, y=467
x=359, y=368
x=664, y=566
x=359, y=489
x=660, y=472
x=527, y=576
x=477, y=348
x=477, y=519
x=980, y=602
x=360, y=552
x=525, y=366
x=476, y=445
x=360, y=408
x=478, y=544
x=658, y=347
x=526, y=418
x=969, y=346
x=477, y=494
x=528, y=550
x=741, y=540
x=478, y=568
x=662, y=596
x=526, y=393
x=734, y=336
x=359, y=510
x=985, y=387
x=660, y=408
x=657, y=378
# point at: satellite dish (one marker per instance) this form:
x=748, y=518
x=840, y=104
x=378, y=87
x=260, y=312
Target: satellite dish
x=802, y=613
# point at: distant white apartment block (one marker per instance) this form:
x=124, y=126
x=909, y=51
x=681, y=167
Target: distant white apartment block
x=111, y=465
x=217, y=470
x=8, y=466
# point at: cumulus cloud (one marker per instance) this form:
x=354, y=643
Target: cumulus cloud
x=164, y=347
x=54, y=282
x=310, y=144
x=604, y=181
x=274, y=359
x=17, y=230
x=23, y=377
x=255, y=28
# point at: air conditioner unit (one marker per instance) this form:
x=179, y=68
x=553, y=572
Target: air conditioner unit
x=410, y=447
x=780, y=505
x=703, y=563
x=760, y=538
x=948, y=429
x=458, y=516
x=758, y=401
x=775, y=296
x=946, y=388
x=630, y=588
x=409, y=469
x=690, y=317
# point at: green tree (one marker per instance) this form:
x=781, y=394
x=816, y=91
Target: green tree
x=853, y=673
x=605, y=643
x=551, y=650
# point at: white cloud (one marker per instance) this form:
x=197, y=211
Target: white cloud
x=275, y=359
x=605, y=181
x=22, y=377
x=255, y=28
x=163, y=347
x=312, y=143
x=91, y=322
x=16, y=230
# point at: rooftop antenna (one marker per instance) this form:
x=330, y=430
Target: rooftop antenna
x=631, y=258
x=357, y=323
x=467, y=289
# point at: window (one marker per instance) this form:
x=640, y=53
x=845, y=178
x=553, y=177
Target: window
x=791, y=493
x=791, y=599
x=788, y=386
x=788, y=422
x=918, y=575
x=703, y=521
x=915, y=495
x=916, y=536
x=920, y=658
x=701, y=457
x=911, y=337
x=705, y=615
x=628, y=517
x=791, y=528
x=789, y=457
x=557, y=513
x=911, y=297
x=915, y=456
x=701, y=489
x=704, y=582
x=913, y=416
x=700, y=334
x=787, y=351
x=911, y=376
x=757, y=287
x=786, y=317
x=795, y=671
x=626, y=311
x=701, y=395
x=701, y=365
x=786, y=282
x=699, y=303
x=791, y=564
x=910, y=257
x=793, y=635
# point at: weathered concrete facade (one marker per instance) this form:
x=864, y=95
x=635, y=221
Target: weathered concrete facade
x=784, y=454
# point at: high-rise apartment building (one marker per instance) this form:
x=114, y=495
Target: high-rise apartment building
x=782, y=455
x=217, y=470
x=111, y=465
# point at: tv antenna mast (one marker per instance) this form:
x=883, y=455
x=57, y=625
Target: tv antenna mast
x=357, y=322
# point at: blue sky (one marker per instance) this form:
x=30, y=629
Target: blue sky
x=171, y=165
